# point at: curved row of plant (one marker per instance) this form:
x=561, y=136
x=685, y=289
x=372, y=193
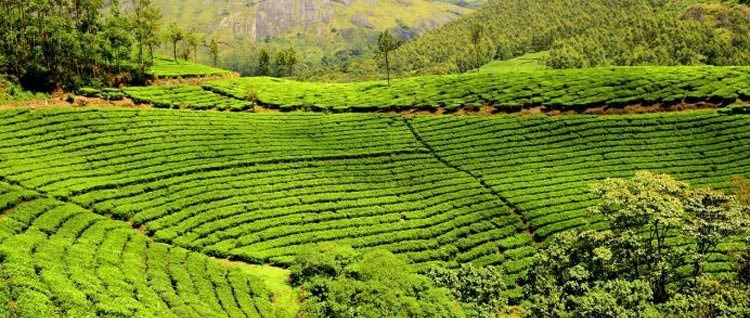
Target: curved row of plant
x=184, y=96
x=265, y=187
x=544, y=165
x=59, y=260
x=574, y=89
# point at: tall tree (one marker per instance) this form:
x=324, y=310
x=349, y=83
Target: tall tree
x=387, y=43
x=476, y=35
x=118, y=39
x=643, y=212
x=175, y=35
x=63, y=44
x=152, y=18
x=711, y=217
x=146, y=21
x=264, y=63
x=213, y=50
x=285, y=61
x=192, y=40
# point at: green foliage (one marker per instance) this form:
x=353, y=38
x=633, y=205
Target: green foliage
x=146, y=23
x=213, y=50
x=52, y=44
x=376, y=284
x=589, y=34
x=710, y=297
x=526, y=62
x=284, y=62
x=506, y=91
x=10, y=92
x=632, y=269
x=264, y=63
x=712, y=217
x=174, y=34
x=387, y=43
x=741, y=188
x=480, y=290
x=615, y=299
x=742, y=265
x=265, y=188
x=326, y=261
x=644, y=212
x=89, y=92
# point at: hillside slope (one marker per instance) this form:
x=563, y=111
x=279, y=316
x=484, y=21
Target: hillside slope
x=587, y=33
x=61, y=260
x=432, y=189
x=317, y=28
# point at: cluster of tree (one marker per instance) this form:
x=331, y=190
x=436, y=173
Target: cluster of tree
x=277, y=59
x=65, y=44
x=339, y=282
x=582, y=34
x=652, y=262
x=185, y=43
x=716, y=34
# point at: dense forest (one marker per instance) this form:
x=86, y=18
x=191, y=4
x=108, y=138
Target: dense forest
x=580, y=34
x=53, y=44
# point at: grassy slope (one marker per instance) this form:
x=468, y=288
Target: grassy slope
x=562, y=89
x=263, y=187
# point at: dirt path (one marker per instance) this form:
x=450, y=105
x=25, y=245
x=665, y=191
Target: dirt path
x=79, y=101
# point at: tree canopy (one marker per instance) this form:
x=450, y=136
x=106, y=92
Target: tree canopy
x=70, y=44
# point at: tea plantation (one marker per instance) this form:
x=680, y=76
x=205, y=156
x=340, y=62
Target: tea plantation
x=60, y=260
x=573, y=89
x=185, y=96
x=501, y=90
x=261, y=188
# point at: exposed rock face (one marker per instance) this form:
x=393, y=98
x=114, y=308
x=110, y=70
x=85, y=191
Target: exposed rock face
x=257, y=20
x=277, y=17
x=260, y=19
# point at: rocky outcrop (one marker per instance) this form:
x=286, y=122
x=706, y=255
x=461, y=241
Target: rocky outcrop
x=277, y=17
x=260, y=19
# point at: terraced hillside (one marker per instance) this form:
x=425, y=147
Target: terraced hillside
x=498, y=89
x=543, y=165
x=446, y=189
x=60, y=260
x=505, y=91
x=178, y=96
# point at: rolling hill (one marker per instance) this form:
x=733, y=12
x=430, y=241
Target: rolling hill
x=432, y=189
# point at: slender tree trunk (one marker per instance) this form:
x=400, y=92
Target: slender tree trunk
x=387, y=69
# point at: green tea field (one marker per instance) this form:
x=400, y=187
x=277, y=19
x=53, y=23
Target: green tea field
x=119, y=195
